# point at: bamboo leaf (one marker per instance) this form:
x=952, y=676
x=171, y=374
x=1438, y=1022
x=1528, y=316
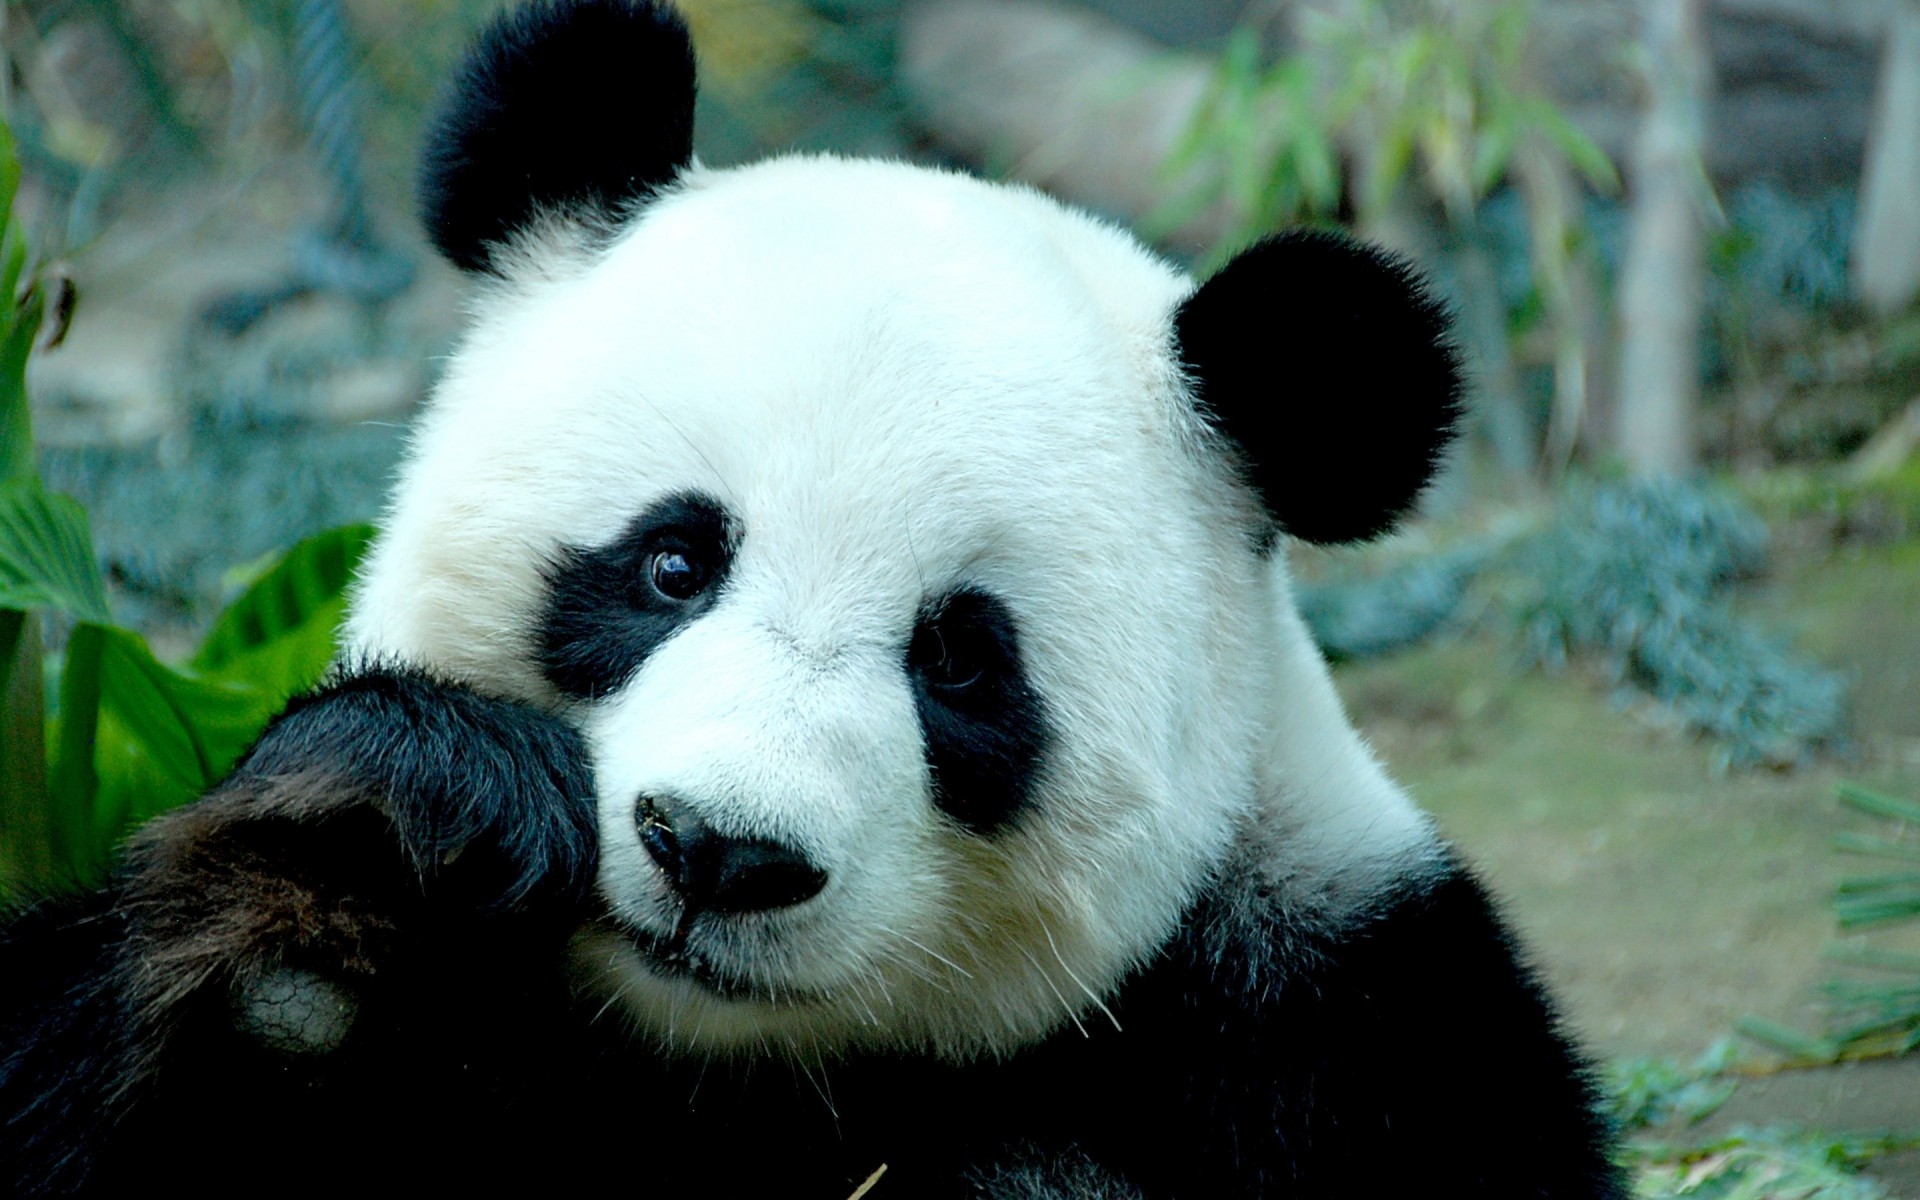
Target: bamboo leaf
x=1581, y=151
x=1878, y=959
x=1869, y=884
x=1877, y=847
x=1788, y=1041
x=1879, y=804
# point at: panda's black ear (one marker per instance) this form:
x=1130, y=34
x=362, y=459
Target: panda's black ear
x=1329, y=364
x=562, y=106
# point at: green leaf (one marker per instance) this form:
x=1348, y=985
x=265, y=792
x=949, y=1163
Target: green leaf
x=135, y=737
x=297, y=601
x=163, y=738
x=1879, y=804
x=21, y=323
x=75, y=784
x=1877, y=847
x=1581, y=151
x=46, y=554
x=1788, y=1041
x=1493, y=151
x=9, y=171
x=1876, y=958
x=26, y=846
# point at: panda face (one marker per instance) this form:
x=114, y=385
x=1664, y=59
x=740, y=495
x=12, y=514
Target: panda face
x=855, y=513
x=900, y=542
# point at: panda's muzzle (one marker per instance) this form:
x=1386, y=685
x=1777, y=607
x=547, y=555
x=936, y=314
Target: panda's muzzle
x=713, y=873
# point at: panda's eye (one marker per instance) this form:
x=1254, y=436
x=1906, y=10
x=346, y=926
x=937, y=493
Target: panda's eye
x=946, y=654
x=962, y=647
x=678, y=575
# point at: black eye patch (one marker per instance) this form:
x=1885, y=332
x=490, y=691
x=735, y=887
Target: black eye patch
x=984, y=724
x=609, y=607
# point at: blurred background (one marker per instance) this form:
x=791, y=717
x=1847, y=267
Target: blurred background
x=1653, y=658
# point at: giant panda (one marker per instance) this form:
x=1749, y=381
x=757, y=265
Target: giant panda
x=826, y=710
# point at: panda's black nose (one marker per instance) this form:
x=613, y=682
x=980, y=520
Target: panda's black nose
x=719, y=874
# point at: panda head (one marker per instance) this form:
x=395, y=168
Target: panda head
x=903, y=544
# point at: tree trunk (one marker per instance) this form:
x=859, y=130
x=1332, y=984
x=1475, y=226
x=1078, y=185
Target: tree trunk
x=1886, y=245
x=1661, y=279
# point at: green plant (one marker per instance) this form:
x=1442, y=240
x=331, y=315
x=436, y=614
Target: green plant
x=1761, y=1165
x=1881, y=1016
x=130, y=735
x=1739, y=1164
x=1438, y=90
x=1646, y=1092
x=1433, y=86
x=1877, y=1016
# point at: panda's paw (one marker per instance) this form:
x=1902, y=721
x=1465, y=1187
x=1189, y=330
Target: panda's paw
x=295, y=1011
x=491, y=801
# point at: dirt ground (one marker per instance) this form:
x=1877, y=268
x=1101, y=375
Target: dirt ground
x=1664, y=902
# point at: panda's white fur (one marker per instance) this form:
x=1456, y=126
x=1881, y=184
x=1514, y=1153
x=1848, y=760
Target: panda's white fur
x=900, y=381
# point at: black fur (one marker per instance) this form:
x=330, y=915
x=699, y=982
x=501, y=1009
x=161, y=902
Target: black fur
x=564, y=106
x=492, y=786
x=985, y=726
x=66, y=1038
x=1328, y=365
x=404, y=843
x=603, y=614
x=1256, y=1055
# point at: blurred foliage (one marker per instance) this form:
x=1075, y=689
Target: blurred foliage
x=118, y=96
x=1433, y=88
x=1369, y=617
x=1636, y=575
x=1880, y=1015
x=1874, y=1012
x=1741, y=1164
x=1762, y=1165
x=130, y=736
x=230, y=493
x=1646, y=1092
x=1389, y=104
x=797, y=75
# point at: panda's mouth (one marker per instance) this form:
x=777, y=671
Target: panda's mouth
x=672, y=958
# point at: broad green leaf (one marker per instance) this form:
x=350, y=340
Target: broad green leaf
x=9, y=171
x=46, y=554
x=296, y=597
x=194, y=729
x=162, y=737
x=26, y=848
x=74, y=783
x=19, y=324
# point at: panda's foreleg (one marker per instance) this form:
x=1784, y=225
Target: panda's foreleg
x=331, y=934
x=1406, y=1049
